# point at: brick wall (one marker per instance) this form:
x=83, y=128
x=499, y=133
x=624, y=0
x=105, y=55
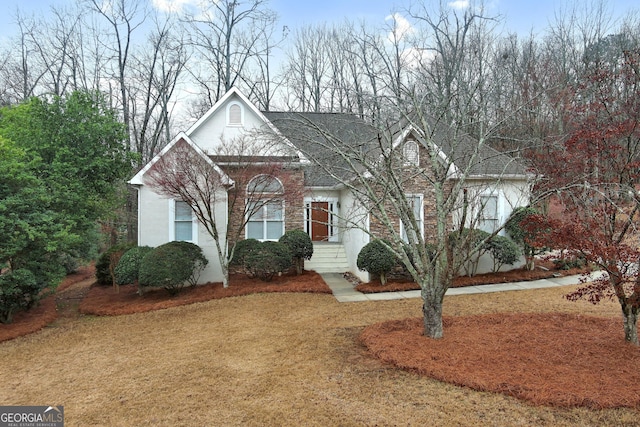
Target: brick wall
x=292, y=179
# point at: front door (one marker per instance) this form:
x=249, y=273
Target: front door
x=319, y=221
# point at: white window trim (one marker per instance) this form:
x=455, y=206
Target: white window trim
x=228, y=115
x=172, y=223
x=264, y=221
x=421, y=196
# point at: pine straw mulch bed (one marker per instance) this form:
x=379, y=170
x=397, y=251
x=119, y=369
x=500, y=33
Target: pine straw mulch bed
x=78, y=294
x=554, y=359
x=105, y=301
x=544, y=270
x=45, y=312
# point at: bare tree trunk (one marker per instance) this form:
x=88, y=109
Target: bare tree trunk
x=432, y=313
x=630, y=318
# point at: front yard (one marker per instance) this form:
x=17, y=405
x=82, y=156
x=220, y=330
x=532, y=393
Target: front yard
x=266, y=359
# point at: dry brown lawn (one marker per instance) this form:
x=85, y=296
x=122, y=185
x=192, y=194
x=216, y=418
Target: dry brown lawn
x=266, y=359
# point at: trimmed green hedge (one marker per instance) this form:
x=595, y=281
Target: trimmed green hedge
x=172, y=266
x=103, y=263
x=376, y=258
x=300, y=245
x=128, y=267
x=268, y=259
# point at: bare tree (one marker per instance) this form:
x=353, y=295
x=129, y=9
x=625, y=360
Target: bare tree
x=23, y=75
x=308, y=67
x=428, y=102
x=123, y=18
x=156, y=71
x=228, y=36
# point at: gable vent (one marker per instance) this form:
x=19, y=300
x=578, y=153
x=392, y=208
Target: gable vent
x=235, y=115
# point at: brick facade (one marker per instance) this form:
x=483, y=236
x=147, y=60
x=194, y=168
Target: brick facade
x=416, y=184
x=292, y=178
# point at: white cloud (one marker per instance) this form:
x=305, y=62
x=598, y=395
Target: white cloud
x=401, y=27
x=459, y=4
x=173, y=6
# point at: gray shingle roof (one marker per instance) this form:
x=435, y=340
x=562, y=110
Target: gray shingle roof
x=312, y=133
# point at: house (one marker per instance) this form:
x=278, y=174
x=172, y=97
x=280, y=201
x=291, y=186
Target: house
x=234, y=134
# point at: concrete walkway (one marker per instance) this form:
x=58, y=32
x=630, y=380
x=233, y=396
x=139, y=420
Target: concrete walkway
x=345, y=292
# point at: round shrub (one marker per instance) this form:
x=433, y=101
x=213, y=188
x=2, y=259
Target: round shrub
x=376, y=258
x=104, y=263
x=268, y=259
x=504, y=251
x=128, y=267
x=243, y=247
x=300, y=245
x=171, y=266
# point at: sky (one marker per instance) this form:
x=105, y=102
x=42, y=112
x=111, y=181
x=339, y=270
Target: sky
x=522, y=16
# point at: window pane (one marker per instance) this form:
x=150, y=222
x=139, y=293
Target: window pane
x=488, y=218
x=417, y=207
x=274, y=230
x=490, y=207
x=184, y=230
x=255, y=230
x=258, y=213
x=183, y=211
x=274, y=210
x=262, y=184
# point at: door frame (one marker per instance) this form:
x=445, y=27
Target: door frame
x=334, y=206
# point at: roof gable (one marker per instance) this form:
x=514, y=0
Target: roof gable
x=138, y=178
x=214, y=132
x=218, y=107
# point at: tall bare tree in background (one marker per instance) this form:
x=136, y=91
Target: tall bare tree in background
x=229, y=39
x=156, y=71
x=123, y=18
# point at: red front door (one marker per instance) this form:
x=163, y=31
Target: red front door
x=319, y=221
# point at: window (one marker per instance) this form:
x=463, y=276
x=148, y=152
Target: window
x=234, y=115
x=415, y=202
x=411, y=153
x=264, y=185
x=183, y=226
x=266, y=208
x=488, y=217
x=267, y=222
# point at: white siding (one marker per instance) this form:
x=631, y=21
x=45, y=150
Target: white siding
x=215, y=131
x=354, y=238
x=155, y=222
x=511, y=194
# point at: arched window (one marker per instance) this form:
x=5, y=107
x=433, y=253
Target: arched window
x=265, y=208
x=261, y=185
x=411, y=153
x=234, y=115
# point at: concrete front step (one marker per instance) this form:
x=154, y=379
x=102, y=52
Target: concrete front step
x=328, y=258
